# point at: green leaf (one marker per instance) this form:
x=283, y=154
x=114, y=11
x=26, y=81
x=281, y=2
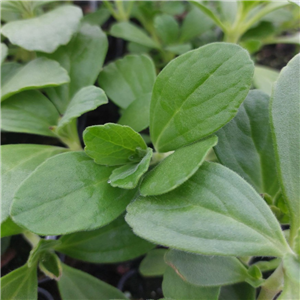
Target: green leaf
x=179, y=49
x=128, y=79
x=130, y=32
x=8, y=228
x=206, y=270
x=47, y=32
x=166, y=28
x=290, y=289
x=29, y=112
x=285, y=124
x=137, y=114
x=18, y=162
x=20, y=284
x=71, y=194
x=264, y=78
x=291, y=265
x=86, y=99
x=237, y=292
x=172, y=7
x=194, y=24
x=175, y=288
x=112, y=144
x=176, y=168
x=77, y=285
x=112, y=243
x=153, y=264
x=99, y=17
x=83, y=58
x=245, y=144
x=50, y=265
x=38, y=73
x=128, y=176
x=200, y=218
x=4, y=51
x=198, y=93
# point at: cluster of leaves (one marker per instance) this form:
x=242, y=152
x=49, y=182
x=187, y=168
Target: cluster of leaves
x=213, y=216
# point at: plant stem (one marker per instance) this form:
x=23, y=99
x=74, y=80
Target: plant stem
x=122, y=16
x=31, y=238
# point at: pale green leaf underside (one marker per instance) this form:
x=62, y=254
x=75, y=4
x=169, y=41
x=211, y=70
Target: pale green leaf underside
x=112, y=243
x=207, y=270
x=86, y=99
x=264, y=78
x=38, y=73
x=175, y=288
x=131, y=32
x=128, y=176
x=245, y=144
x=18, y=162
x=29, y=112
x=215, y=212
x=112, y=144
x=77, y=285
x=4, y=50
x=177, y=168
x=46, y=32
x=20, y=284
x=153, y=264
x=71, y=194
x=285, y=122
x=128, y=79
x=197, y=93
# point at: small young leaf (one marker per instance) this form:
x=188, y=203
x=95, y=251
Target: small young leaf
x=200, y=218
x=71, y=194
x=206, y=270
x=285, y=123
x=112, y=144
x=177, y=168
x=77, y=285
x=128, y=79
x=18, y=162
x=245, y=144
x=99, y=17
x=38, y=73
x=50, y=265
x=29, y=112
x=166, y=28
x=179, y=49
x=153, y=264
x=130, y=32
x=128, y=176
x=198, y=93
x=237, y=292
x=264, y=78
x=20, y=284
x=86, y=99
x=175, y=288
x=47, y=32
x=112, y=243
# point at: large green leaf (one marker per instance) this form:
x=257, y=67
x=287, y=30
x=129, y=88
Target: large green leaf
x=198, y=93
x=82, y=58
x=46, y=32
x=20, y=284
x=18, y=162
x=153, y=264
x=110, y=244
x=285, y=122
x=214, y=212
x=128, y=79
x=177, y=168
x=137, y=114
x=29, y=112
x=70, y=194
x=131, y=32
x=207, y=270
x=77, y=285
x=237, y=292
x=166, y=28
x=113, y=144
x=128, y=176
x=86, y=99
x=175, y=288
x=245, y=144
x=264, y=78
x=38, y=73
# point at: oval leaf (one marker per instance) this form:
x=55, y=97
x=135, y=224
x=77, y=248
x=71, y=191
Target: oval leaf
x=197, y=93
x=153, y=264
x=200, y=218
x=70, y=194
x=112, y=144
x=264, y=78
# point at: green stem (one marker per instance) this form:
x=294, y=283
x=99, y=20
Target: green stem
x=122, y=16
x=111, y=9
x=31, y=238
